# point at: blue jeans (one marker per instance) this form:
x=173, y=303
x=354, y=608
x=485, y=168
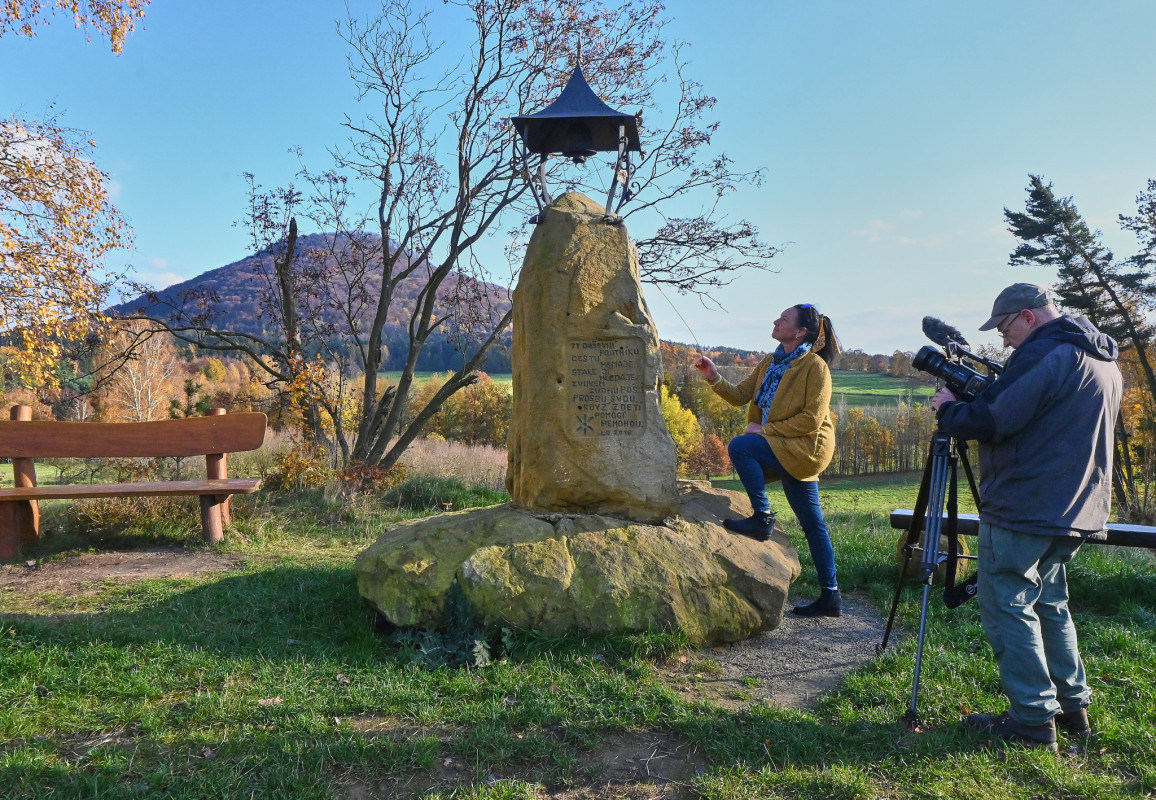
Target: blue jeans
x=1023, y=605
x=749, y=453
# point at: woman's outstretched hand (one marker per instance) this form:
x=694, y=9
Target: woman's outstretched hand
x=707, y=368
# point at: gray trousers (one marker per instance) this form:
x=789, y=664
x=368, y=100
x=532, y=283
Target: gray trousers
x=1023, y=605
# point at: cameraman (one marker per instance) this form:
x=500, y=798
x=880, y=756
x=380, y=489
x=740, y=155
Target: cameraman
x=1045, y=429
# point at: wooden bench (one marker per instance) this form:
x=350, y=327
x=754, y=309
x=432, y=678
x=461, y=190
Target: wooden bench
x=1118, y=534
x=212, y=436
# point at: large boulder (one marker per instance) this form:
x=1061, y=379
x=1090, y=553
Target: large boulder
x=559, y=573
x=587, y=434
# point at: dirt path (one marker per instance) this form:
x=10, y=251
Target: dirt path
x=79, y=573
x=789, y=667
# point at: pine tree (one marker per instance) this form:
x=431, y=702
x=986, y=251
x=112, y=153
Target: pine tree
x=1090, y=281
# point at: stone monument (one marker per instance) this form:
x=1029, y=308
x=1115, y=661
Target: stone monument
x=600, y=536
x=587, y=433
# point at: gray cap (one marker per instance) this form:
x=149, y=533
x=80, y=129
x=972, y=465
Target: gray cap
x=1015, y=298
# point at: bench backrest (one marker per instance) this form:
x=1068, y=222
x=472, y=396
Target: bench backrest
x=195, y=436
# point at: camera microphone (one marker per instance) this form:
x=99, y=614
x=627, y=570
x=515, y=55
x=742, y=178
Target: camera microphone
x=941, y=333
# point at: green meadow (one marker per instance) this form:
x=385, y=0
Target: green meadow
x=266, y=678
x=869, y=389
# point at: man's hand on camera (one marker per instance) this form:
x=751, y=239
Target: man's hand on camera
x=753, y=427
x=944, y=395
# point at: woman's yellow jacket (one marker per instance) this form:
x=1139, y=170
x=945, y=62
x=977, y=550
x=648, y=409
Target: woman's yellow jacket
x=799, y=428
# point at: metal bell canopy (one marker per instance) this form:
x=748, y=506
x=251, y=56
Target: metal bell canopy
x=577, y=125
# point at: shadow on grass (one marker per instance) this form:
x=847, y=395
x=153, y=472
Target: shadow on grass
x=310, y=758
x=280, y=612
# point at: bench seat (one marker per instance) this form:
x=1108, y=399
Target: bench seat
x=1119, y=534
x=156, y=489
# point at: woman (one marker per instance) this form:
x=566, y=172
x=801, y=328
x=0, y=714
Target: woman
x=790, y=437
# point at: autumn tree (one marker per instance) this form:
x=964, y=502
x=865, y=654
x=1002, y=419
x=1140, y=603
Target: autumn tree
x=56, y=219
x=56, y=224
x=477, y=415
x=143, y=369
x=853, y=360
x=709, y=458
x=215, y=371
x=112, y=19
x=715, y=414
x=434, y=150
x=683, y=427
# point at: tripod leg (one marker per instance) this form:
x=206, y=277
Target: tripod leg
x=942, y=467
x=914, y=535
x=912, y=716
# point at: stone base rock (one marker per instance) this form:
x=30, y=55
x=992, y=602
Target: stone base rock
x=558, y=573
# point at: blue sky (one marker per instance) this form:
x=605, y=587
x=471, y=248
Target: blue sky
x=892, y=134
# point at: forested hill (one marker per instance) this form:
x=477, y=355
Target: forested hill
x=231, y=297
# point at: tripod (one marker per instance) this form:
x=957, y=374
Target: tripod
x=937, y=492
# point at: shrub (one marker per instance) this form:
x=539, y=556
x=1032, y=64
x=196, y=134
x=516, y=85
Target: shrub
x=303, y=467
x=370, y=479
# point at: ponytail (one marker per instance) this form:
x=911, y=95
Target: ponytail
x=820, y=333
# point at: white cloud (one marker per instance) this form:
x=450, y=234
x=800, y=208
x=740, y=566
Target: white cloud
x=876, y=230
x=159, y=279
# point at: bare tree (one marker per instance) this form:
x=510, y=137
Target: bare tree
x=437, y=155
x=142, y=377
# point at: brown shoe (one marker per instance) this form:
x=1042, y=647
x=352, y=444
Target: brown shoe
x=1002, y=726
x=1074, y=723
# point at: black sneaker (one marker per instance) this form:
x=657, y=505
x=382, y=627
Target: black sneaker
x=1074, y=723
x=1002, y=726
x=758, y=526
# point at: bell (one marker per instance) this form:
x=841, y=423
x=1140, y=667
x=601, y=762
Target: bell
x=579, y=142
x=576, y=126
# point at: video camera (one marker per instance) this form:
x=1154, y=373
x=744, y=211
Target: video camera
x=954, y=364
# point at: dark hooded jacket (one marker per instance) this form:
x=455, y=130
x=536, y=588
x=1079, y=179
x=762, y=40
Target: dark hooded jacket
x=1045, y=431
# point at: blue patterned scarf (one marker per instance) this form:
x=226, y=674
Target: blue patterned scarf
x=779, y=364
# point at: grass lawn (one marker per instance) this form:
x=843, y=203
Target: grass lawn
x=45, y=474
x=266, y=680
x=869, y=389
